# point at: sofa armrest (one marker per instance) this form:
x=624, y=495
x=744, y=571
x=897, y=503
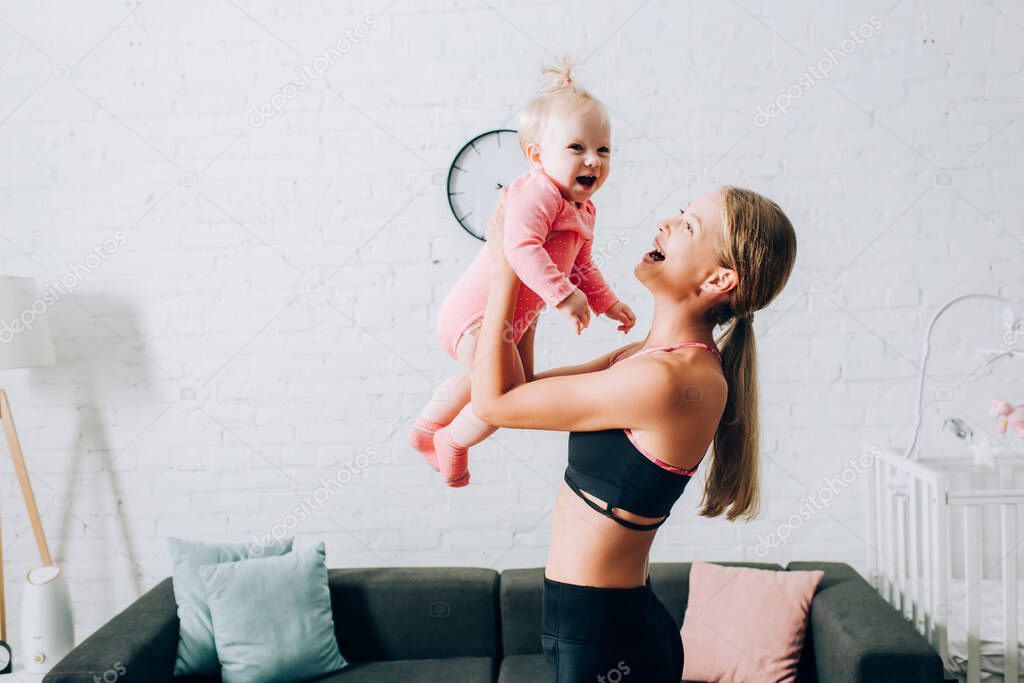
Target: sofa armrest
x=858, y=637
x=139, y=644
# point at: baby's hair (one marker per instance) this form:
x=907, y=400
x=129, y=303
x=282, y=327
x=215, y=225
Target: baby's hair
x=562, y=90
x=562, y=78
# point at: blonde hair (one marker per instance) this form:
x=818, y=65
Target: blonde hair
x=563, y=90
x=760, y=245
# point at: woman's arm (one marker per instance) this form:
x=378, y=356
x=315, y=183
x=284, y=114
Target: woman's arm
x=525, y=348
x=636, y=396
x=602, y=362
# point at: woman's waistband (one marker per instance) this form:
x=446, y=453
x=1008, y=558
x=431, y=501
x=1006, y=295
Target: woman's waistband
x=570, y=587
x=597, y=614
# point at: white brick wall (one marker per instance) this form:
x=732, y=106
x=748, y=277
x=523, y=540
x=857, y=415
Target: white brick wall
x=204, y=386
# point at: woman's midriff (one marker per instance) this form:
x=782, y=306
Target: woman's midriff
x=588, y=549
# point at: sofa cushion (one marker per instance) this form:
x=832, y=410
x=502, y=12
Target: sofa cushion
x=529, y=669
x=743, y=623
x=272, y=617
x=468, y=669
x=402, y=613
x=197, y=652
x=520, y=594
x=523, y=669
x=671, y=583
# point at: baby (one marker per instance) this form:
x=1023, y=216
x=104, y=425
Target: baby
x=549, y=226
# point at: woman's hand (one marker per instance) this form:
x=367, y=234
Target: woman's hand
x=495, y=234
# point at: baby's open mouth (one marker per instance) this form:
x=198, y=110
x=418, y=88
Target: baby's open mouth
x=586, y=180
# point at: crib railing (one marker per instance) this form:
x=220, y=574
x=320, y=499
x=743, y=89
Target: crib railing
x=910, y=506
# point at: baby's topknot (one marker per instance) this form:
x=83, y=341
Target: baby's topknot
x=561, y=75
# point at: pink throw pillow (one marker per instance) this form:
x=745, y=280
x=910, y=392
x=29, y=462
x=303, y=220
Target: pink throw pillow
x=745, y=624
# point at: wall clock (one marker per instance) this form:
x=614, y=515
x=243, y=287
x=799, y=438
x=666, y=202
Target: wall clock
x=485, y=163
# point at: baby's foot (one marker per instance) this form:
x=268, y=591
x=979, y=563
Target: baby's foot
x=421, y=437
x=452, y=458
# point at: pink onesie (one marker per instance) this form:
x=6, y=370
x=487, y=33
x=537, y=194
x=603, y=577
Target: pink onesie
x=547, y=242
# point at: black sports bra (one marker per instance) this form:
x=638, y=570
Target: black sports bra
x=611, y=465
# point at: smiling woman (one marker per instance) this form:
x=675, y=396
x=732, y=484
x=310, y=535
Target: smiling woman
x=638, y=430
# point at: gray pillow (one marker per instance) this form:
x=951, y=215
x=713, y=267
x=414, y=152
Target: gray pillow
x=272, y=618
x=197, y=651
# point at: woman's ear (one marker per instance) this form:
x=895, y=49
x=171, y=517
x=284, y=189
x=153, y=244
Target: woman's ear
x=722, y=281
x=533, y=155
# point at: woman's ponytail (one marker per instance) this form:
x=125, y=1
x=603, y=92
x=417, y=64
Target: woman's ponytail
x=760, y=246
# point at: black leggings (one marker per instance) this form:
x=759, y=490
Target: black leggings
x=608, y=635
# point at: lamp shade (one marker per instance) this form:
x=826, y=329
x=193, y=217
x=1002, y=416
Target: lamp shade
x=24, y=331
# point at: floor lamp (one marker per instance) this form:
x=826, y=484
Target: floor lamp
x=47, y=630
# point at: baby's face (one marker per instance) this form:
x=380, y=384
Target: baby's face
x=575, y=150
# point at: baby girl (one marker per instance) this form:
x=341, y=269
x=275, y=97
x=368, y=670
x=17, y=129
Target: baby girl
x=549, y=226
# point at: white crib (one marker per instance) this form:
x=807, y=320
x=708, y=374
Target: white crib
x=929, y=520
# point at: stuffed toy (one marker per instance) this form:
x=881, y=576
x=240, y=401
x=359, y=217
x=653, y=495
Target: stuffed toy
x=1009, y=416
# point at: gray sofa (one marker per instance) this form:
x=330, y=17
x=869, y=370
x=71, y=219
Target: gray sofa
x=429, y=624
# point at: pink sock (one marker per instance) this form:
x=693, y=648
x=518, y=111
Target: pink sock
x=421, y=437
x=452, y=459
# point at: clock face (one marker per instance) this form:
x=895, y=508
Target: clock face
x=487, y=162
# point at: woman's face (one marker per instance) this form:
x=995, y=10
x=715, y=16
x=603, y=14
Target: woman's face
x=685, y=248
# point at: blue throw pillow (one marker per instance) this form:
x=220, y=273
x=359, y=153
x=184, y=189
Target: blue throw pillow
x=272, y=618
x=197, y=652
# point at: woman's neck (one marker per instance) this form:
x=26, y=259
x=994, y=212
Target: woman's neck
x=674, y=323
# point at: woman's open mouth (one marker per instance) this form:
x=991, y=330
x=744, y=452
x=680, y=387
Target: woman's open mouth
x=654, y=255
x=586, y=180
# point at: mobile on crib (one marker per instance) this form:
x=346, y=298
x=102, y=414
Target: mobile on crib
x=1011, y=416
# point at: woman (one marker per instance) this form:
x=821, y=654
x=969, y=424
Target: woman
x=640, y=420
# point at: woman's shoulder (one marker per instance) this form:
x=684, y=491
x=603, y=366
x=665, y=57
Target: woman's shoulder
x=691, y=374
x=701, y=378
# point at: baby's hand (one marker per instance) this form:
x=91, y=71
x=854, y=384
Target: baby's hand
x=575, y=306
x=622, y=313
